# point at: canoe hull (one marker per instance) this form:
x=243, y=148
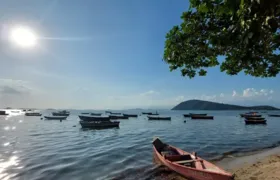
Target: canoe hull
x=274, y=115
x=191, y=173
x=130, y=115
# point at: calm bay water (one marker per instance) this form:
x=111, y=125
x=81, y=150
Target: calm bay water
x=31, y=148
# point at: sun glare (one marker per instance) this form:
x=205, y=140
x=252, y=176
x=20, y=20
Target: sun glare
x=23, y=37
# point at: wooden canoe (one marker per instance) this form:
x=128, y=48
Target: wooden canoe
x=187, y=164
x=192, y=114
x=250, y=115
x=94, y=118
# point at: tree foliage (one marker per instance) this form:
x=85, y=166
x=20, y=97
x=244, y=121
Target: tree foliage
x=244, y=32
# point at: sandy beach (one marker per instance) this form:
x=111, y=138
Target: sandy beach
x=266, y=169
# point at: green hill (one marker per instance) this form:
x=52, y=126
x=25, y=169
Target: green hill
x=207, y=105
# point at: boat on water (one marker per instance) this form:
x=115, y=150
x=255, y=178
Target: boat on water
x=188, y=165
x=159, y=118
x=147, y=113
x=33, y=114
x=94, y=118
x=99, y=124
x=194, y=114
x=130, y=115
x=55, y=117
x=11, y=112
x=3, y=113
x=255, y=121
x=109, y=112
x=255, y=118
x=115, y=113
x=250, y=115
x=202, y=117
x=61, y=113
x=85, y=113
x=186, y=115
x=118, y=117
x=274, y=115
x=96, y=114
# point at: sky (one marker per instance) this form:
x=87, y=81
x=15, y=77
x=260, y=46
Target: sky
x=107, y=54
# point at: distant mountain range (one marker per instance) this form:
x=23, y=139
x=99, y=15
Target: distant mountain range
x=207, y=105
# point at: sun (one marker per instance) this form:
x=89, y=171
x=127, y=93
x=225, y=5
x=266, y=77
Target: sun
x=23, y=37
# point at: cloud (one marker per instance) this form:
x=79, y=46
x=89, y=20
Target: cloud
x=251, y=92
x=148, y=93
x=222, y=95
x=180, y=98
x=234, y=93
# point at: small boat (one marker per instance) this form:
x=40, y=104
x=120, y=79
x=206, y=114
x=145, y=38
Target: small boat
x=109, y=112
x=118, y=117
x=3, y=113
x=99, y=124
x=274, y=115
x=186, y=115
x=250, y=115
x=94, y=118
x=188, y=165
x=33, y=114
x=61, y=113
x=85, y=113
x=115, y=113
x=147, y=113
x=192, y=114
x=96, y=114
x=159, y=118
x=254, y=118
x=55, y=117
x=255, y=121
x=154, y=114
x=130, y=115
x=202, y=117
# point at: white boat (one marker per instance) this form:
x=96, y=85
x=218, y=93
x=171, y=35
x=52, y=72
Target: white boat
x=13, y=112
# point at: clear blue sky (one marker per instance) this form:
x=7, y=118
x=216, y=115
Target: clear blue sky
x=107, y=54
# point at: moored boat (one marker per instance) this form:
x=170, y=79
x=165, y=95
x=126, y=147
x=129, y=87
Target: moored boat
x=3, y=113
x=187, y=164
x=85, y=113
x=202, y=117
x=116, y=113
x=147, y=113
x=61, y=113
x=117, y=117
x=130, y=115
x=55, y=117
x=94, y=118
x=193, y=114
x=255, y=118
x=274, y=115
x=96, y=114
x=159, y=118
x=99, y=124
x=33, y=114
x=186, y=115
x=109, y=112
x=255, y=121
x=250, y=115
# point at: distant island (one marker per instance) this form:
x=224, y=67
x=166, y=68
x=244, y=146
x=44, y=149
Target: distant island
x=208, y=105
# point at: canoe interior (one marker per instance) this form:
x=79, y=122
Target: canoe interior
x=188, y=165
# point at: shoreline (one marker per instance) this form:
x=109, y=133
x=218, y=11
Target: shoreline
x=259, y=165
x=255, y=165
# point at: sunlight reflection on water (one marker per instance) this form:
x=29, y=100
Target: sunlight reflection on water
x=13, y=161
